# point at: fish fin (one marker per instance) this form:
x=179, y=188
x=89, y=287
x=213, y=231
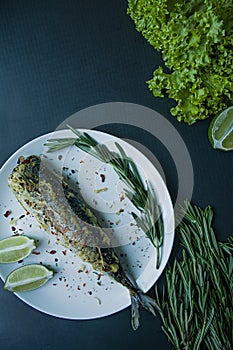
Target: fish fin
x=146, y=302
x=135, y=315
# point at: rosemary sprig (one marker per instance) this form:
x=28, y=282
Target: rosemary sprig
x=139, y=193
x=196, y=304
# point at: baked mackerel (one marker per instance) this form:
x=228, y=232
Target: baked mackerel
x=61, y=211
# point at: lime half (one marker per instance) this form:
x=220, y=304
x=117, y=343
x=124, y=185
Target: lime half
x=27, y=277
x=15, y=248
x=220, y=131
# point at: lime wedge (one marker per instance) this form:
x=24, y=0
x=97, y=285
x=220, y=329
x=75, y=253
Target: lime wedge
x=27, y=277
x=15, y=248
x=220, y=131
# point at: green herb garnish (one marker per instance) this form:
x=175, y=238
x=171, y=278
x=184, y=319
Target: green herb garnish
x=195, y=38
x=196, y=304
x=139, y=193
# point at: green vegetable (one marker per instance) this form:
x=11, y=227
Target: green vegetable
x=196, y=304
x=196, y=41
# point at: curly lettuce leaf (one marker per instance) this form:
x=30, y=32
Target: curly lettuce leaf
x=195, y=39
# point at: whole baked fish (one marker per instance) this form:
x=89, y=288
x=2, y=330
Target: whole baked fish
x=61, y=211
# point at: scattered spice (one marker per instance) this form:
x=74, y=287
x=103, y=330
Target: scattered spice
x=102, y=177
x=36, y=253
x=13, y=228
x=99, y=275
x=7, y=213
x=103, y=189
x=51, y=252
x=122, y=197
x=119, y=211
x=59, y=157
x=64, y=251
x=98, y=300
x=81, y=269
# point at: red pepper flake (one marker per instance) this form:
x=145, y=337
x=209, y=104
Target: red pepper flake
x=13, y=228
x=99, y=276
x=51, y=252
x=84, y=284
x=7, y=213
x=26, y=161
x=64, y=252
x=78, y=288
x=122, y=197
x=28, y=213
x=102, y=177
x=36, y=253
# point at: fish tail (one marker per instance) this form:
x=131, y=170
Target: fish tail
x=146, y=302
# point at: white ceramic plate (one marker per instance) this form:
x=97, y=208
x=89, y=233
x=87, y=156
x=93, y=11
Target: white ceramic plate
x=77, y=291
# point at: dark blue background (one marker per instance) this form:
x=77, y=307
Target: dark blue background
x=56, y=58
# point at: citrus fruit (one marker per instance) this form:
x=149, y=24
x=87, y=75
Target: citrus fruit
x=27, y=277
x=15, y=248
x=220, y=131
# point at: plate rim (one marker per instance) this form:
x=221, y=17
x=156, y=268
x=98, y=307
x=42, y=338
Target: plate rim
x=172, y=237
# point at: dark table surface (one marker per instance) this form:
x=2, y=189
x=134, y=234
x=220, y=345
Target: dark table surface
x=57, y=58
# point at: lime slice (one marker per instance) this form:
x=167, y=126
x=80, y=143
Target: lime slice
x=27, y=277
x=220, y=131
x=15, y=248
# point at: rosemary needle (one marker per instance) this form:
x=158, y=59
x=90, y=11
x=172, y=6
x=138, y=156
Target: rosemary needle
x=139, y=193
